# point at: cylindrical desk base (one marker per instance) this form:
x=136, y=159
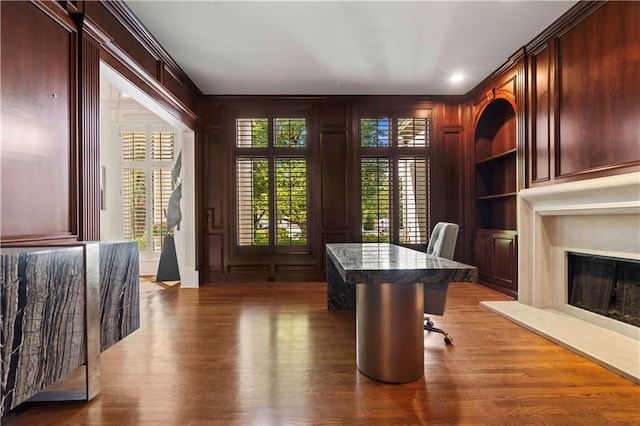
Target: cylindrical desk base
x=390, y=331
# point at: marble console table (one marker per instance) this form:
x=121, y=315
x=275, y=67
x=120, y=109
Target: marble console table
x=60, y=307
x=390, y=287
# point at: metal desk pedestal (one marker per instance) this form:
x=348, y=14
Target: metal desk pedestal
x=389, y=331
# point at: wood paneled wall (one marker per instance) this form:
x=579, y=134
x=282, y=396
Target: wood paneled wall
x=333, y=197
x=580, y=78
x=584, y=95
x=336, y=174
x=50, y=160
x=38, y=150
x=132, y=51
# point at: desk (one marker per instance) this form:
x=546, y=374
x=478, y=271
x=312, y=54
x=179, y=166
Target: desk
x=388, y=286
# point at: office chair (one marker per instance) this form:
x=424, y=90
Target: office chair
x=442, y=243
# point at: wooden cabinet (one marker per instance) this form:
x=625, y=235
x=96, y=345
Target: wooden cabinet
x=496, y=254
x=495, y=251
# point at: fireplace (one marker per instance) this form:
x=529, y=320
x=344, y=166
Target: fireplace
x=605, y=285
x=594, y=218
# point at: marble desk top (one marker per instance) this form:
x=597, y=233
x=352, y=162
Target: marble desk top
x=380, y=262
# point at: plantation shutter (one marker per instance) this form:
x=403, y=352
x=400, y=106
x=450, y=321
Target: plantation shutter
x=252, y=201
x=147, y=159
x=394, y=178
x=134, y=188
x=134, y=146
x=291, y=200
x=134, y=194
x=162, y=155
x=271, y=181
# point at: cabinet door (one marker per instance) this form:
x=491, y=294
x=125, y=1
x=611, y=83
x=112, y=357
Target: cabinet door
x=482, y=255
x=503, y=271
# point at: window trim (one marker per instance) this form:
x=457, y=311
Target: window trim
x=394, y=153
x=272, y=153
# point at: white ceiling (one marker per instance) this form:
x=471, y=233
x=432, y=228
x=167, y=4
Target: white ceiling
x=341, y=47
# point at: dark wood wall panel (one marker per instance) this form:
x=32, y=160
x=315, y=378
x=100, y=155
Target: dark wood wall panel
x=452, y=173
x=333, y=115
x=177, y=86
x=213, y=234
x=334, y=168
x=214, y=260
x=38, y=122
x=448, y=183
x=50, y=159
x=261, y=270
x=215, y=168
x=89, y=142
x=123, y=37
x=333, y=197
x=295, y=268
x=599, y=82
x=540, y=115
x=452, y=115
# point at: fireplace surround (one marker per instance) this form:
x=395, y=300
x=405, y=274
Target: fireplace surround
x=594, y=217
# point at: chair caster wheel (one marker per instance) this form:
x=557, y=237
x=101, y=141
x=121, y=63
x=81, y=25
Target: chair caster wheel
x=430, y=323
x=448, y=340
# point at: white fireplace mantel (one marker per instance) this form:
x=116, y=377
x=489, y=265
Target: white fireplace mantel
x=595, y=216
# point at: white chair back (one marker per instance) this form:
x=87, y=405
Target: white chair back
x=442, y=242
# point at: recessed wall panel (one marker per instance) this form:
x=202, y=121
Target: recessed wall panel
x=599, y=72
x=540, y=142
x=334, y=169
x=35, y=152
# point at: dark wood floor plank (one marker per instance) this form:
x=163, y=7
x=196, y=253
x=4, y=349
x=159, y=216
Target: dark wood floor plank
x=272, y=354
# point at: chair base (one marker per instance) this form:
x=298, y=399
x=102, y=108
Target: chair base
x=428, y=326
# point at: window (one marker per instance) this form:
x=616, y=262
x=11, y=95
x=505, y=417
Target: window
x=147, y=160
x=394, y=179
x=271, y=182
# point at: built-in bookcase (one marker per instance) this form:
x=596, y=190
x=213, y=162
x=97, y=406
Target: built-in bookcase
x=495, y=196
x=495, y=172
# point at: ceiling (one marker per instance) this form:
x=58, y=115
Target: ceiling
x=343, y=47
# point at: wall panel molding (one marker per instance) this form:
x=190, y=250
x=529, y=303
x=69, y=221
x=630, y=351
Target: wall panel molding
x=540, y=115
x=132, y=51
x=334, y=155
x=39, y=122
x=598, y=83
x=89, y=141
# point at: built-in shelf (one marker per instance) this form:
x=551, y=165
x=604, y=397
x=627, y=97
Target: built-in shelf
x=495, y=188
x=506, y=231
x=495, y=196
x=497, y=156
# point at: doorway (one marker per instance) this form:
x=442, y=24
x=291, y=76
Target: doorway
x=128, y=114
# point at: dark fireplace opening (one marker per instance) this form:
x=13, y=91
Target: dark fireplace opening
x=605, y=285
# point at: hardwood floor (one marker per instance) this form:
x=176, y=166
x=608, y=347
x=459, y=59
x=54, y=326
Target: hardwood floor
x=263, y=354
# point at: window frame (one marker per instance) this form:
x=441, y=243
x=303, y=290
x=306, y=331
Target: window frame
x=148, y=165
x=393, y=153
x=272, y=153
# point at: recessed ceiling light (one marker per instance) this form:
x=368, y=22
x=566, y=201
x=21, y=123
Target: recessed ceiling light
x=456, y=78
